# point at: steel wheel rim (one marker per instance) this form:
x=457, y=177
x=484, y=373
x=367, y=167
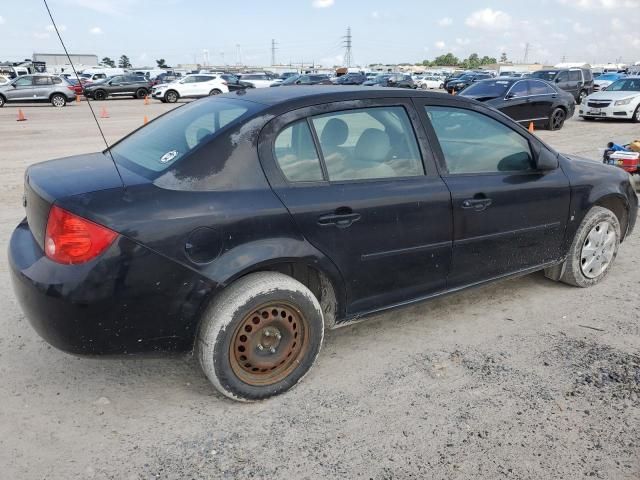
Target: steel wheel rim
x=558, y=119
x=597, y=250
x=268, y=344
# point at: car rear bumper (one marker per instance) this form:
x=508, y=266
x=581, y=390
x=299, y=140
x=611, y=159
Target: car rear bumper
x=128, y=300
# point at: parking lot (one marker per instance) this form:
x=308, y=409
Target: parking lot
x=523, y=379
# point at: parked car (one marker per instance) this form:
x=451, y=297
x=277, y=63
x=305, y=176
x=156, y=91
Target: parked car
x=620, y=100
x=458, y=84
x=577, y=81
x=282, y=77
x=234, y=83
x=164, y=78
x=397, y=80
x=453, y=77
x=258, y=80
x=306, y=79
x=606, y=79
x=77, y=86
x=428, y=82
x=525, y=100
x=37, y=88
x=351, y=79
x=119, y=85
x=244, y=225
x=190, y=86
x=92, y=77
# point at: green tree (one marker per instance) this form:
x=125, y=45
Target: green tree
x=124, y=62
x=161, y=63
x=448, y=60
x=108, y=62
x=503, y=57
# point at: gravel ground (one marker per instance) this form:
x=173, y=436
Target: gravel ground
x=524, y=379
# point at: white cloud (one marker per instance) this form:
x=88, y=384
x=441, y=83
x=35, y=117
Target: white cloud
x=52, y=29
x=96, y=31
x=322, y=3
x=463, y=41
x=375, y=14
x=489, y=19
x=2, y=20
x=559, y=36
x=617, y=24
x=445, y=22
x=40, y=35
x=440, y=44
x=581, y=29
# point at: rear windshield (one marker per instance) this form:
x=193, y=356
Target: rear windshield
x=163, y=142
x=547, y=75
x=488, y=88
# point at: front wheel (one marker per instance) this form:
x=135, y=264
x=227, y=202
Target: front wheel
x=171, y=96
x=260, y=336
x=594, y=248
x=636, y=115
x=215, y=91
x=557, y=118
x=2, y=101
x=141, y=93
x=58, y=100
x=100, y=95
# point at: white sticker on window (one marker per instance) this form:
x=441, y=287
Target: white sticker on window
x=167, y=157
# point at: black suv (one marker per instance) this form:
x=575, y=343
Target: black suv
x=351, y=79
x=464, y=81
x=577, y=81
x=398, y=80
x=135, y=85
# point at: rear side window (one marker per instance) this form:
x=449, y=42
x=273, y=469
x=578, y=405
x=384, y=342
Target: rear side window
x=539, y=88
x=369, y=143
x=575, y=76
x=163, y=142
x=56, y=80
x=563, y=77
x=475, y=143
x=519, y=89
x=42, y=81
x=296, y=153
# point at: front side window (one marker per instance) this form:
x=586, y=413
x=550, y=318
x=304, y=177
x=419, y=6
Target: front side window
x=369, y=143
x=118, y=79
x=166, y=140
x=23, y=82
x=296, y=153
x=190, y=80
x=575, y=76
x=475, y=143
x=563, y=77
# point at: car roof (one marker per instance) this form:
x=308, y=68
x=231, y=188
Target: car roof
x=310, y=95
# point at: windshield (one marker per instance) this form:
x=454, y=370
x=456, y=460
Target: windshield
x=464, y=78
x=625, y=85
x=165, y=141
x=488, y=88
x=547, y=75
x=381, y=78
x=291, y=80
x=609, y=76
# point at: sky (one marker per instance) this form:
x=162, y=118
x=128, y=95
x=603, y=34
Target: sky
x=180, y=31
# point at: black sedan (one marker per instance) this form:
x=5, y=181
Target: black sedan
x=462, y=82
x=243, y=225
x=397, y=80
x=525, y=100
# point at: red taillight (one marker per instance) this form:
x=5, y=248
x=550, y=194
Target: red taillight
x=71, y=239
x=71, y=87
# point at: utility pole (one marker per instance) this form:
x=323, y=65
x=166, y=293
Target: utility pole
x=347, y=43
x=239, y=54
x=526, y=53
x=273, y=51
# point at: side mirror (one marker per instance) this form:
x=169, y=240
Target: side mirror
x=557, y=80
x=546, y=160
x=510, y=96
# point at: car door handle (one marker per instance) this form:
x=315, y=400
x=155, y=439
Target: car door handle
x=478, y=204
x=340, y=220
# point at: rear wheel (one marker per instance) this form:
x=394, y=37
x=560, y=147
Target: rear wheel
x=58, y=100
x=141, y=93
x=215, y=91
x=100, y=95
x=636, y=115
x=594, y=248
x=171, y=96
x=260, y=336
x=557, y=118
x=2, y=101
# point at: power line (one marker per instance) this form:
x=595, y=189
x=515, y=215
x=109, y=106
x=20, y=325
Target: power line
x=347, y=43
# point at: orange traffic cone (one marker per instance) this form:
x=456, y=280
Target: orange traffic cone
x=104, y=113
x=531, y=128
x=78, y=98
x=146, y=120
x=146, y=99
x=21, y=117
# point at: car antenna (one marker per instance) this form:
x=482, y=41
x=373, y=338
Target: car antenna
x=80, y=83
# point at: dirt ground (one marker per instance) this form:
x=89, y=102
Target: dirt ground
x=525, y=379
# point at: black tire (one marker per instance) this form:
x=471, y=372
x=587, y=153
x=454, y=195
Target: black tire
x=251, y=302
x=557, y=119
x=58, y=100
x=576, y=265
x=581, y=96
x=100, y=95
x=141, y=93
x=215, y=91
x=2, y=101
x=171, y=96
x=636, y=115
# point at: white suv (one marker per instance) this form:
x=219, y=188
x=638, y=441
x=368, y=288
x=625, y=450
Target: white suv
x=190, y=86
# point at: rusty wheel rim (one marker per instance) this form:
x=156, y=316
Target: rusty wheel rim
x=268, y=344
